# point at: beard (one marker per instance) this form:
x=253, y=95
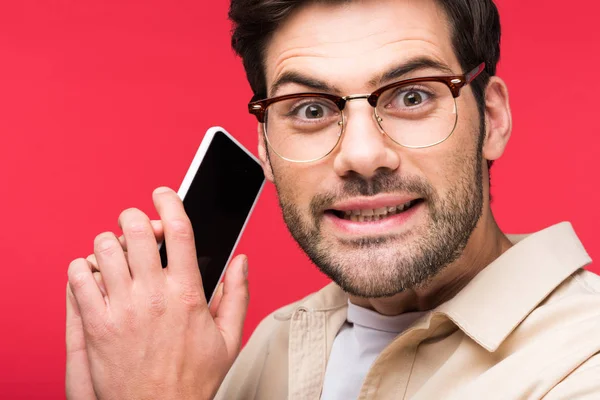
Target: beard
x=373, y=267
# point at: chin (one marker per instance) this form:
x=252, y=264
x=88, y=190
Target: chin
x=374, y=267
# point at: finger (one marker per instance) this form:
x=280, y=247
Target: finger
x=156, y=228
x=142, y=249
x=111, y=262
x=234, y=304
x=78, y=381
x=93, y=262
x=216, y=300
x=91, y=259
x=89, y=299
x=75, y=338
x=179, y=237
x=97, y=276
x=100, y=283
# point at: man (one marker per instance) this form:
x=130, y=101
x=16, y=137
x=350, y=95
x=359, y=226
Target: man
x=378, y=123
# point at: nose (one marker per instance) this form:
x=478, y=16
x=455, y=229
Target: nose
x=364, y=149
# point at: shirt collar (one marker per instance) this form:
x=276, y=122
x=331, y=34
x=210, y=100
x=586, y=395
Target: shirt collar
x=372, y=320
x=503, y=294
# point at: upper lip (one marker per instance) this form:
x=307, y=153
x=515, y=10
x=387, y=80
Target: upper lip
x=372, y=203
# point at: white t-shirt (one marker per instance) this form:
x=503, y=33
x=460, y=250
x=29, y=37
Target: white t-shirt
x=358, y=343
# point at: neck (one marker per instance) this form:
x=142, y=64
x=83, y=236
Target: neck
x=486, y=244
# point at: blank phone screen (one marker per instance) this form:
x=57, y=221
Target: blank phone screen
x=218, y=203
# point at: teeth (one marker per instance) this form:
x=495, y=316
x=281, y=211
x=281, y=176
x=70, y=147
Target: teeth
x=375, y=214
x=404, y=206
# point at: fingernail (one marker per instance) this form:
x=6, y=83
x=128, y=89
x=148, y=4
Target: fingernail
x=162, y=189
x=245, y=267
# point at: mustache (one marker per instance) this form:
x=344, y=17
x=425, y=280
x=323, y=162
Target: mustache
x=383, y=181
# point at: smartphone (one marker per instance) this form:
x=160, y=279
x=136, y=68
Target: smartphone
x=219, y=192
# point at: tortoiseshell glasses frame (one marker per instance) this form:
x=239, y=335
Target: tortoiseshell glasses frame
x=454, y=83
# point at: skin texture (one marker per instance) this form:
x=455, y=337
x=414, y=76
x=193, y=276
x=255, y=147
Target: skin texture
x=124, y=310
x=423, y=263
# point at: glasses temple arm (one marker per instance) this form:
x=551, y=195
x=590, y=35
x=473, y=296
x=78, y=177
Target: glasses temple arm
x=469, y=77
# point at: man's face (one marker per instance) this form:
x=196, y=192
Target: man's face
x=350, y=47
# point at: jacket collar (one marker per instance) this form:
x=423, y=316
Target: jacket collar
x=503, y=294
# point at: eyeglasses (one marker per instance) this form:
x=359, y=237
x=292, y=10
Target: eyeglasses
x=414, y=113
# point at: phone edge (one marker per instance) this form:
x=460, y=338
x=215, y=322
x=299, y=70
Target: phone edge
x=191, y=173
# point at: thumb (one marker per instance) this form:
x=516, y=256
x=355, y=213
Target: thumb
x=233, y=306
x=216, y=300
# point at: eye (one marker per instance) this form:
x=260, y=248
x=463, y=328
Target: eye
x=414, y=98
x=415, y=101
x=411, y=98
x=312, y=111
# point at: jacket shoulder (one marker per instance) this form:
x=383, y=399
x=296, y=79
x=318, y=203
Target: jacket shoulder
x=268, y=341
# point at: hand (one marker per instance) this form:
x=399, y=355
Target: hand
x=152, y=335
x=78, y=382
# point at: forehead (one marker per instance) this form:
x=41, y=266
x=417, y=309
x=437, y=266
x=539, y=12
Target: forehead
x=351, y=43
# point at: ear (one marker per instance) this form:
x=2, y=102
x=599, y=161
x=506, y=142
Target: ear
x=263, y=155
x=498, y=119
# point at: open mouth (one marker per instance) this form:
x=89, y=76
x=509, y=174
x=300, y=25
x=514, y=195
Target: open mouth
x=368, y=215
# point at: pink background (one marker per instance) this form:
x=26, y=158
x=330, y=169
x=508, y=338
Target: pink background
x=102, y=101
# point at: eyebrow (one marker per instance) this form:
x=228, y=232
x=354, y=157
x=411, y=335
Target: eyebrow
x=409, y=66
x=296, y=77
x=394, y=73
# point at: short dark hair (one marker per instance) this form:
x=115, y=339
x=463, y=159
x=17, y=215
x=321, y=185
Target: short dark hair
x=475, y=36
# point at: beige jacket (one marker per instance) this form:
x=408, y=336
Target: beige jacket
x=526, y=327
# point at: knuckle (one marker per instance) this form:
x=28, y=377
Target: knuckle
x=157, y=304
x=106, y=243
x=137, y=229
x=75, y=265
x=77, y=273
x=180, y=229
x=78, y=280
x=191, y=298
x=129, y=213
x=130, y=315
x=135, y=223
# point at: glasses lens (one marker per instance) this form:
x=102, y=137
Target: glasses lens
x=417, y=114
x=303, y=128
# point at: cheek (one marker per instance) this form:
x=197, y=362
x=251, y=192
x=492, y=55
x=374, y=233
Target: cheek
x=296, y=184
x=447, y=164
